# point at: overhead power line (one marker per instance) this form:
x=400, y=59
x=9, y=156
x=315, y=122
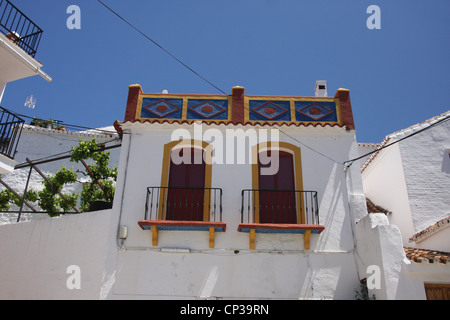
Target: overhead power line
x=73, y=126
x=161, y=47
x=196, y=73
x=348, y=163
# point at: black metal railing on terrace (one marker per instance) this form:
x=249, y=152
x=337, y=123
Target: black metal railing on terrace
x=279, y=206
x=19, y=28
x=10, y=131
x=183, y=204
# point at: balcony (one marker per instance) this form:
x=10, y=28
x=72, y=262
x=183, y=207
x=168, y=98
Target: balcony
x=279, y=211
x=10, y=131
x=18, y=28
x=183, y=209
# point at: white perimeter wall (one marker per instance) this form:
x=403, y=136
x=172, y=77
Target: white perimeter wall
x=36, y=255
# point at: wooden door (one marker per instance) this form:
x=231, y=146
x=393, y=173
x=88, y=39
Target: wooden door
x=437, y=291
x=278, y=203
x=185, y=198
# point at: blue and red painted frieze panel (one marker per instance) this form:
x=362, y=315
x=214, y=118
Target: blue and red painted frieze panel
x=258, y=110
x=161, y=108
x=207, y=109
x=238, y=108
x=269, y=110
x=184, y=108
x=281, y=110
x=324, y=111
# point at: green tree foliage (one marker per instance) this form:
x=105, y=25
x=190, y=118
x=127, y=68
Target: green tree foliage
x=101, y=186
x=50, y=199
x=7, y=198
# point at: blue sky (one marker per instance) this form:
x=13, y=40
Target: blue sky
x=398, y=75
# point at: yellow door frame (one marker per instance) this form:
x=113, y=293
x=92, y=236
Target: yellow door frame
x=191, y=143
x=297, y=158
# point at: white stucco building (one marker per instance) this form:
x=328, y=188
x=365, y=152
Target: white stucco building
x=17, y=61
x=410, y=177
x=232, y=252
x=17, y=51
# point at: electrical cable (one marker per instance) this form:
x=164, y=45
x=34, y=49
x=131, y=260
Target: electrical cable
x=63, y=155
x=310, y=148
x=68, y=125
x=345, y=164
x=397, y=141
x=162, y=48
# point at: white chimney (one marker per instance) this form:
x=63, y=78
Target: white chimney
x=320, y=89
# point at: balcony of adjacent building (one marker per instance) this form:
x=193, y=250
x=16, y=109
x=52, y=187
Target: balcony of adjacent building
x=10, y=130
x=18, y=28
x=19, y=41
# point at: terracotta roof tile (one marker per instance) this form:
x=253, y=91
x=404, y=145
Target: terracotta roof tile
x=427, y=255
x=439, y=225
x=372, y=208
x=252, y=123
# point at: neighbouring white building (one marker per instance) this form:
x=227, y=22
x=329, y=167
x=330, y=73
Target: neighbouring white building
x=19, y=41
x=410, y=178
x=19, y=141
x=49, y=149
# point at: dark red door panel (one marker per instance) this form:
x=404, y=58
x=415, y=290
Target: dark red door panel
x=186, y=182
x=277, y=204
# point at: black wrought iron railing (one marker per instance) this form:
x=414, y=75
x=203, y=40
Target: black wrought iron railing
x=19, y=28
x=10, y=131
x=183, y=204
x=279, y=206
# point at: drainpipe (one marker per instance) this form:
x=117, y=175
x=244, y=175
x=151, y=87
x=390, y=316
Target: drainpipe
x=120, y=245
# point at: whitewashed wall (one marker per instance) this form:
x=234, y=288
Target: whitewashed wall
x=384, y=184
x=36, y=255
x=415, y=275
x=412, y=180
x=37, y=252
x=380, y=246
x=279, y=267
x=424, y=157
x=437, y=240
